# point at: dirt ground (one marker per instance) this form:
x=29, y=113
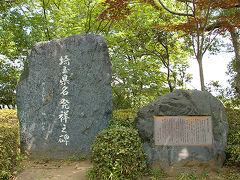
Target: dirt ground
x=76, y=170
x=54, y=171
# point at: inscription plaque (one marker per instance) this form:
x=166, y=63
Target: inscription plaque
x=183, y=130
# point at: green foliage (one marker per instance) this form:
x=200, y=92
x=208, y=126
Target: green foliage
x=233, y=143
x=157, y=173
x=91, y=174
x=146, y=62
x=227, y=95
x=117, y=154
x=9, y=75
x=10, y=156
x=232, y=72
x=9, y=141
x=76, y=158
x=25, y=22
x=8, y=116
x=231, y=173
x=41, y=160
x=139, y=67
x=124, y=117
x=187, y=176
x=21, y=27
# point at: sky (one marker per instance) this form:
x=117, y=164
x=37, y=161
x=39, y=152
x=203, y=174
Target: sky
x=214, y=68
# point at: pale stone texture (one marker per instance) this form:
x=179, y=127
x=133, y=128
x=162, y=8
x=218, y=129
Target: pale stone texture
x=184, y=103
x=41, y=90
x=183, y=130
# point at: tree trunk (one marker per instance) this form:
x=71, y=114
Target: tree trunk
x=169, y=80
x=199, y=59
x=236, y=45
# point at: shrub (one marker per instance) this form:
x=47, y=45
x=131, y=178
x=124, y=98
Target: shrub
x=233, y=143
x=117, y=154
x=122, y=118
x=8, y=116
x=124, y=114
x=9, y=141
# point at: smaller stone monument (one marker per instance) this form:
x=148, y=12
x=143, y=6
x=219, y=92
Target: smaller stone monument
x=64, y=96
x=184, y=129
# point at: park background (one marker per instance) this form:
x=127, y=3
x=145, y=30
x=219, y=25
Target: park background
x=150, y=47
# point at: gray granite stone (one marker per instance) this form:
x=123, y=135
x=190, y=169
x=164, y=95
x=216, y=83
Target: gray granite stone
x=64, y=96
x=184, y=103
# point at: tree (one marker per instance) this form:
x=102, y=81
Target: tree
x=146, y=62
x=13, y=37
x=25, y=22
x=9, y=75
x=228, y=20
x=235, y=35
x=63, y=18
x=226, y=24
x=199, y=15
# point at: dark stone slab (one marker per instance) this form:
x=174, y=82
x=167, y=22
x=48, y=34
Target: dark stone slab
x=64, y=96
x=184, y=103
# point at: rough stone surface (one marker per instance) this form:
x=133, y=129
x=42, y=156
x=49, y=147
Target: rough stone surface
x=184, y=103
x=64, y=96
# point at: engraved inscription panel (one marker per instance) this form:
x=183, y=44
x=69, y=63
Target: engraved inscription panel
x=183, y=130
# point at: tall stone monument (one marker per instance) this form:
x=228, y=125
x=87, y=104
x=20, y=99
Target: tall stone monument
x=64, y=96
x=184, y=129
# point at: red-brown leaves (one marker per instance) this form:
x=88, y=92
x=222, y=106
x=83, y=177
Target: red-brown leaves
x=115, y=9
x=192, y=25
x=119, y=9
x=229, y=22
x=197, y=23
x=225, y=4
x=216, y=4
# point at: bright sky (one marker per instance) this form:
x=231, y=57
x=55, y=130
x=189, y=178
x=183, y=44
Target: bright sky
x=214, y=67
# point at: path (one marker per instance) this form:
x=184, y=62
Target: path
x=76, y=170
x=54, y=171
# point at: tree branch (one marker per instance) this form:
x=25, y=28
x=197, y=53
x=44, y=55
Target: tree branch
x=46, y=22
x=213, y=26
x=172, y=12
x=189, y=1
x=10, y=1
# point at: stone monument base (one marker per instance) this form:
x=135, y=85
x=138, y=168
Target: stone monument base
x=187, y=165
x=184, y=129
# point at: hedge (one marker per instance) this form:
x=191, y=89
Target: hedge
x=8, y=116
x=9, y=143
x=233, y=141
